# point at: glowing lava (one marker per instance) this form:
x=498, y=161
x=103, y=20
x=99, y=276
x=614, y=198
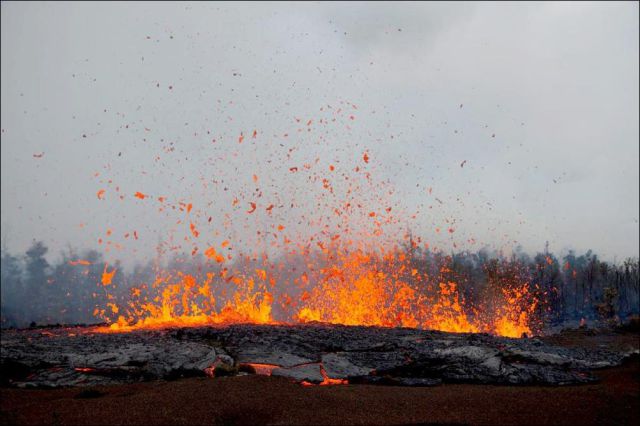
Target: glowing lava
x=341, y=258
x=354, y=289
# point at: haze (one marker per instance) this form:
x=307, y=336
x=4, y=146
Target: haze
x=522, y=118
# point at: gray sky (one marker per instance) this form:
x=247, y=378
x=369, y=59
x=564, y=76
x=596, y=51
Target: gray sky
x=540, y=99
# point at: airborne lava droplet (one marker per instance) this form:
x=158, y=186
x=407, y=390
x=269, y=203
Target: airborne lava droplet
x=194, y=231
x=107, y=277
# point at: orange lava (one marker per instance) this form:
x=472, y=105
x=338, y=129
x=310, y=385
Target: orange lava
x=326, y=380
x=335, y=253
x=262, y=369
x=355, y=288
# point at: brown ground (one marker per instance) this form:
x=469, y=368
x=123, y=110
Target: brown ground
x=270, y=400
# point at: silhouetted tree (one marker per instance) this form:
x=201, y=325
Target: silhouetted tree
x=36, y=279
x=12, y=291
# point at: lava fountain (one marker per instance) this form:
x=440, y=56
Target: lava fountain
x=336, y=254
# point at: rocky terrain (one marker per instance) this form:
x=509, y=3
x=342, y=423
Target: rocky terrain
x=310, y=354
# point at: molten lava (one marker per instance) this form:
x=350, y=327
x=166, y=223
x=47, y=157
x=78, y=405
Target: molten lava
x=341, y=258
x=347, y=287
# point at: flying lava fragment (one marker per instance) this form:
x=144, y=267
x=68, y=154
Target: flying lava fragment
x=107, y=277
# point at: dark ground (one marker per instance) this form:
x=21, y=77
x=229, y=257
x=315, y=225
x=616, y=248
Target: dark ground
x=272, y=400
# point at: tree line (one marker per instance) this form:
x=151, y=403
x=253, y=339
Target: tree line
x=570, y=287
